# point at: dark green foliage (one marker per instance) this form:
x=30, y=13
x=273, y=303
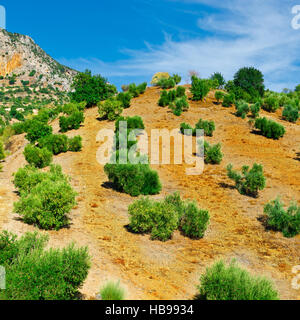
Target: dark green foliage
x=172, y=96
x=19, y=127
x=37, y=130
x=200, y=88
x=184, y=127
x=179, y=105
x=32, y=273
x=286, y=221
x=176, y=78
x=135, y=122
x=180, y=91
x=221, y=282
x=91, y=89
x=219, y=78
x=110, y=109
x=212, y=154
x=133, y=179
x=228, y=100
x=290, y=113
x=194, y=221
x=242, y=109
x=2, y=153
x=269, y=128
x=219, y=95
x=166, y=83
x=208, y=127
x=71, y=122
x=271, y=103
x=75, y=144
x=255, y=109
x=125, y=98
x=49, y=200
x=135, y=90
x=37, y=157
x=250, y=80
x=164, y=99
x=55, y=143
x=71, y=108
x=250, y=181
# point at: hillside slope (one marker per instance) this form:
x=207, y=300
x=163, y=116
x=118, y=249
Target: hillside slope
x=20, y=55
x=171, y=270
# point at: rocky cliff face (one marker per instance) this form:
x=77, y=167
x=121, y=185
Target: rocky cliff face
x=20, y=55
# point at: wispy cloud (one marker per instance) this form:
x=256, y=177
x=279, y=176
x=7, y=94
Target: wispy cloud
x=240, y=33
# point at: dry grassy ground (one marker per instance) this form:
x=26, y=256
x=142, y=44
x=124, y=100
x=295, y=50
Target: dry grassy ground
x=155, y=270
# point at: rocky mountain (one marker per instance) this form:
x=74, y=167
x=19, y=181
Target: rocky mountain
x=21, y=56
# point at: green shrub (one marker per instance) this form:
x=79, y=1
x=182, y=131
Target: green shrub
x=255, y=109
x=2, y=153
x=217, y=76
x=37, y=157
x=180, y=91
x=19, y=127
x=250, y=182
x=164, y=99
x=157, y=218
x=219, y=95
x=179, y=105
x=269, y=128
x=47, y=204
x=271, y=104
x=176, y=78
x=208, y=127
x=142, y=88
x=166, y=83
x=37, y=130
x=55, y=143
x=250, y=80
x=133, y=179
x=228, y=100
x=112, y=291
x=135, y=90
x=71, y=108
x=71, y=122
x=135, y=122
x=200, y=88
x=110, y=109
x=75, y=144
x=184, y=127
x=194, y=221
x=125, y=99
x=172, y=95
x=212, y=154
x=221, y=282
x=242, y=109
x=286, y=221
x=91, y=89
x=32, y=273
x=290, y=113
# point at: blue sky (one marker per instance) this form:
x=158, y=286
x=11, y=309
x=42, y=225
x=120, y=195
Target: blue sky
x=131, y=40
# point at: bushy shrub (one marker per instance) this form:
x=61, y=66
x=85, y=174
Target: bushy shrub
x=208, y=127
x=242, y=109
x=176, y=78
x=212, y=154
x=200, y=88
x=71, y=122
x=125, y=99
x=47, y=204
x=2, y=153
x=135, y=90
x=290, y=113
x=55, y=143
x=217, y=76
x=255, y=109
x=180, y=91
x=75, y=144
x=110, y=109
x=37, y=157
x=112, y=291
x=228, y=100
x=70, y=108
x=164, y=99
x=269, y=128
x=135, y=122
x=271, y=103
x=91, y=89
x=166, y=83
x=158, y=76
x=219, y=95
x=32, y=273
x=250, y=80
x=172, y=95
x=179, y=105
x=194, y=221
x=133, y=179
x=36, y=130
x=221, y=282
x=184, y=127
x=286, y=221
x=19, y=127
x=250, y=181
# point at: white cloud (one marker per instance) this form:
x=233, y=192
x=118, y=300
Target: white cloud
x=241, y=33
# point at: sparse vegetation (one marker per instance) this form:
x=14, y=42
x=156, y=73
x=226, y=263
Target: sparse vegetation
x=112, y=291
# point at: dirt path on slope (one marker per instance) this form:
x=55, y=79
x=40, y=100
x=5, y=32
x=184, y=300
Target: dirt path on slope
x=155, y=270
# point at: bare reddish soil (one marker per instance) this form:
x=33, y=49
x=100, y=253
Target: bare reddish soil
x=171, y=270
